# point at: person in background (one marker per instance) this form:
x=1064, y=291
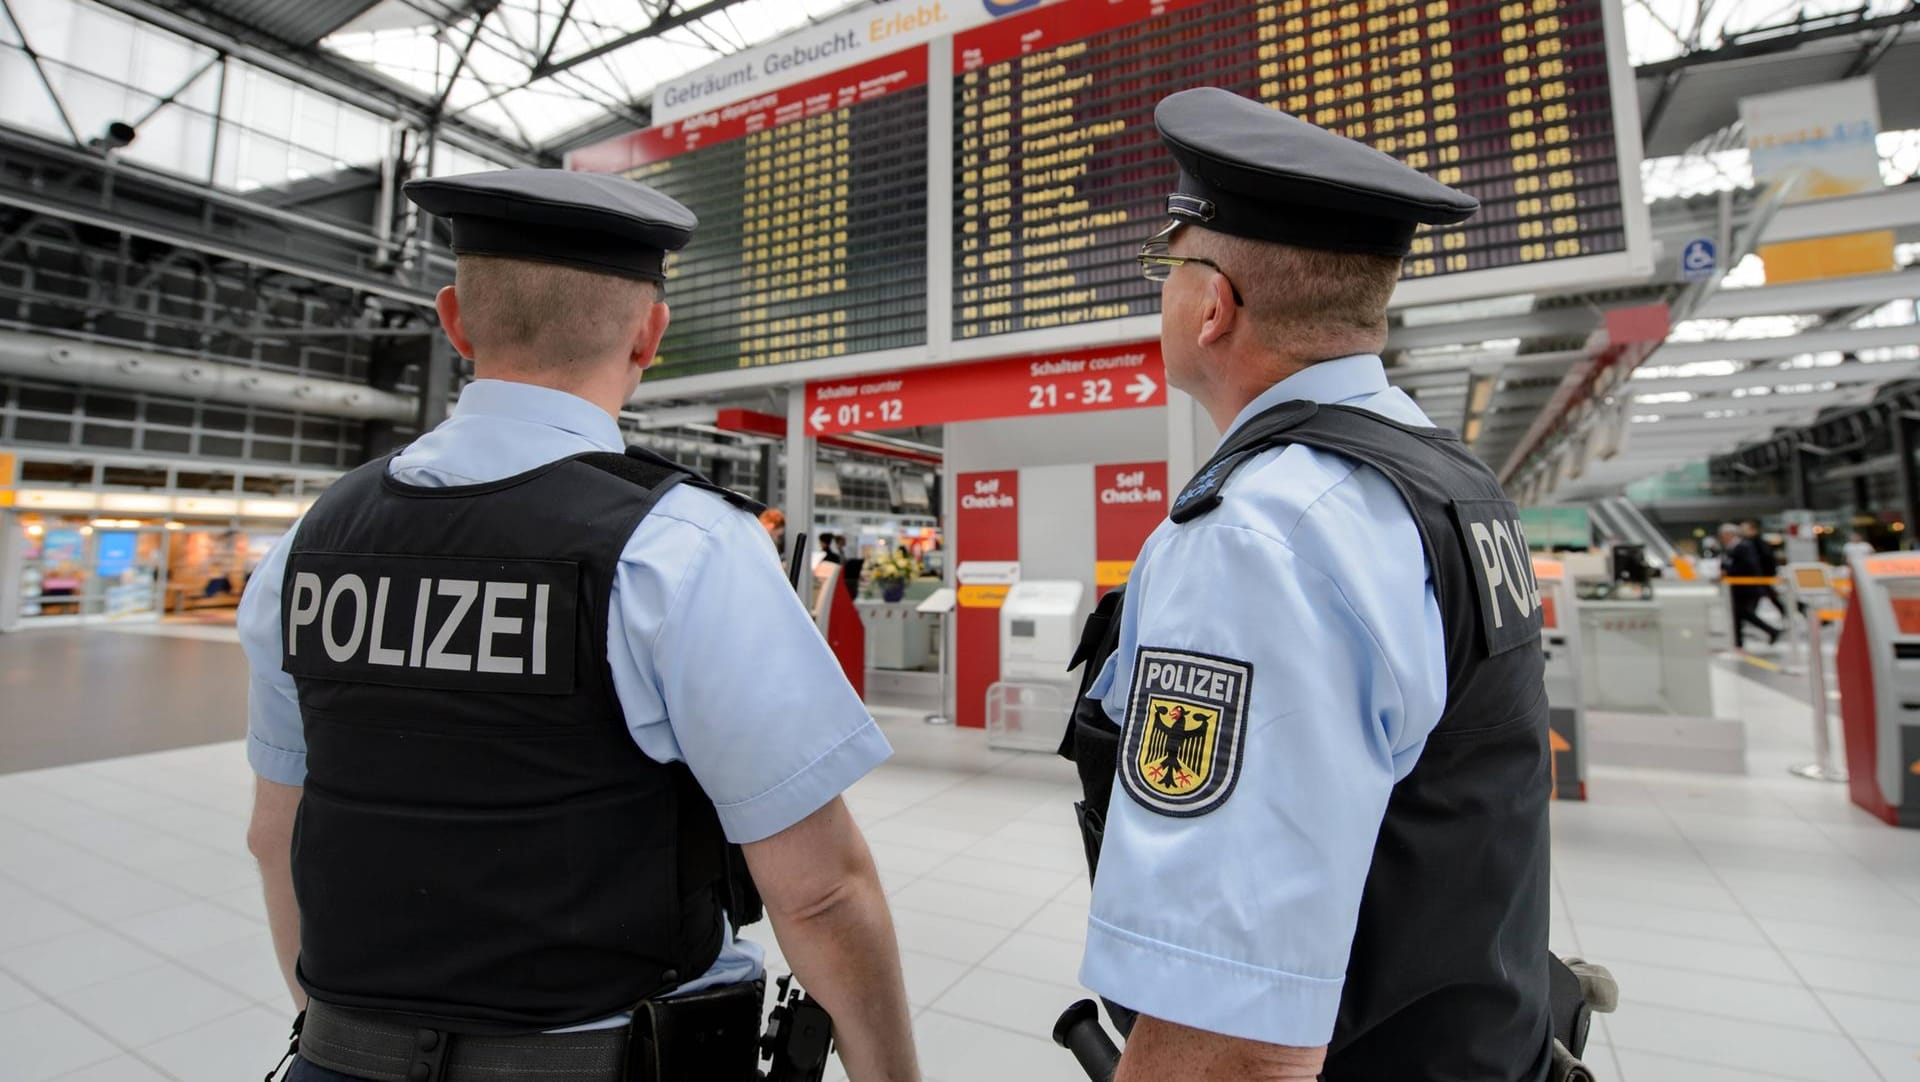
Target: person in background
x=1740, y=559
x=775, y=523
x=830, y=549
x=1857, y=545
x=1767, y=560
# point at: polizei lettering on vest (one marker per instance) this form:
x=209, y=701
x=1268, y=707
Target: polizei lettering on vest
x=1504, y=559
x=1508, y=595
x=454, y=623
x=347, y=622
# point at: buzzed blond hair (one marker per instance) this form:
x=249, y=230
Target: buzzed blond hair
x=550, y=314
x=1306, y=298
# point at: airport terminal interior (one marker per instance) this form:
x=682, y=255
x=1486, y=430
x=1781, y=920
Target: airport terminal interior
x=1683, y=332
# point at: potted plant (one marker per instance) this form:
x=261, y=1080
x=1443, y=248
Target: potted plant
x=892, y=573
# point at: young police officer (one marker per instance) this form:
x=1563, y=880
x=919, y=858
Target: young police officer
x=1325, y=843
x=526, y=694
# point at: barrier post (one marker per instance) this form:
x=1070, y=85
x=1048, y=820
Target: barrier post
x=1823, y=767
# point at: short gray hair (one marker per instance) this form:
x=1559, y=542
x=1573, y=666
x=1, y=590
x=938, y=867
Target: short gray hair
x=1298, y=297
x=565, y=314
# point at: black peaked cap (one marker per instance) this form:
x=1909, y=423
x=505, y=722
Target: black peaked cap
x=1253, y=171
x=594, y=221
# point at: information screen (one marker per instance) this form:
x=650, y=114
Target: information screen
x=812, y=202
x=1059, y=174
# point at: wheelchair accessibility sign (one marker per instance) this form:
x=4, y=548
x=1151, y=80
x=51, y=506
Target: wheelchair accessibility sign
x=1698, y=260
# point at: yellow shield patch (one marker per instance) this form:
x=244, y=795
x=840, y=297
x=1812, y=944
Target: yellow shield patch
x=1177, y=750
x=1186, y=730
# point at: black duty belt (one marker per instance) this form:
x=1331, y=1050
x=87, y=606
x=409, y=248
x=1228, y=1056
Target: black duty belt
x=366, y=1045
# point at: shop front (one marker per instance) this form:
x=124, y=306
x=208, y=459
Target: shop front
x=74, y=557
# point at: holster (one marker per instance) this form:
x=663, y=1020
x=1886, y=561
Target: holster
x=710, y=1036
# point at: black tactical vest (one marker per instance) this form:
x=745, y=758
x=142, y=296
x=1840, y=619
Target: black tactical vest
x=1448, y=977
x=480, y=843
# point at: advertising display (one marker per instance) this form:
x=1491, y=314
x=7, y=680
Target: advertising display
x=1824, y=139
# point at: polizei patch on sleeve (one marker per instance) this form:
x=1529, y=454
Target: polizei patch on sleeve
x=1186, y=727
x=1509, y=597
x=431, y=622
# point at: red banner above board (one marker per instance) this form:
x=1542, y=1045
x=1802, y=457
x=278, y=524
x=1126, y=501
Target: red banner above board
x=1043, y=384
x=849, y=86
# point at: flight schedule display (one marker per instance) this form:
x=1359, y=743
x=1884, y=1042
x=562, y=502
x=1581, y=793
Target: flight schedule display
x=1058, y=174
x=812, y=201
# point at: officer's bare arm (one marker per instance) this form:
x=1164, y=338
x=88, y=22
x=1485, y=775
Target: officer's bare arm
x=1159, y=1049
x=824, y=896
x=270, y=838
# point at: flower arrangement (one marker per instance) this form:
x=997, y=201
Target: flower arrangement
x=899, y=567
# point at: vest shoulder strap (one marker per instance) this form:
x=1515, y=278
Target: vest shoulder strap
x=657, y=473
x=1348, y=430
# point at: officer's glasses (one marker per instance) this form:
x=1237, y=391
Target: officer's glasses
x=1157, y=262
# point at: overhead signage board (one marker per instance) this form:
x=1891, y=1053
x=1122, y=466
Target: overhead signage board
x=1076, y=381
x=927, y=181
x=812, y=202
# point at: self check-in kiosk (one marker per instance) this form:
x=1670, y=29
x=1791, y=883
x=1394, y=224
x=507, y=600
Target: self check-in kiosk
x=1039, y=631
x=839, y=623
x=1560, y=637
x=1879, y=670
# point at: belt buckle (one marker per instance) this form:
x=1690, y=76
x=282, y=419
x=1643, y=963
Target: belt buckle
x=429, y=1056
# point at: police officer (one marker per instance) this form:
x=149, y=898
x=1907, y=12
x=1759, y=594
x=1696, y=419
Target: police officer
x=539, y=705
x=1316, y=760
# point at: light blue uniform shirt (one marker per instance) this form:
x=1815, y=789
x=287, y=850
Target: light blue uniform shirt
x=715, y=661
x=1239, y=919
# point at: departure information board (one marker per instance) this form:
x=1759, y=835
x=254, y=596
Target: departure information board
x=1059, y=175
x=812, y=201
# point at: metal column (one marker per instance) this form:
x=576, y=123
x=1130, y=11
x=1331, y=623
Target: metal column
x=769, y=493
x=800, y=453
x=1903, y=450
x=436, y=382
x=11, y=553
x=1800, y=477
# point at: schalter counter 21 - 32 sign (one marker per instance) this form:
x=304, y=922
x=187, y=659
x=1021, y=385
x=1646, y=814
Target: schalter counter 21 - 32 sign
x=1078, y=381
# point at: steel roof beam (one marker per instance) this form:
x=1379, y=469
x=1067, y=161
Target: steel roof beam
x=361, y=86
x=1882, y=372
x=1887, y=208
x=1783, y=38
x=1772, y=349
x=654, y=29
x=1822, y=295
x=1755, y=405
x=1571, y=322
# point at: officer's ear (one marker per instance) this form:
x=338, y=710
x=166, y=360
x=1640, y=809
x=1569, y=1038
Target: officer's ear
x=1219, y=312
x=646, y=342
x=447, y=303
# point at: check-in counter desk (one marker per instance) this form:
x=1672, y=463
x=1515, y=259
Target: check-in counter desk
x=899, y=636
x=1879, y=675
x=1646, y=681
x=1649, y=656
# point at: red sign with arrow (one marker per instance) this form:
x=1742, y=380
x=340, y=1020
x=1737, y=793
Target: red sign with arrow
x=1075, y=381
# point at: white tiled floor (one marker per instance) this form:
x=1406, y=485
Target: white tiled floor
x=1761, y=927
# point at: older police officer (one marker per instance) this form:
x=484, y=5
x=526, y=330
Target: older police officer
x=531, y=697
x=1324, y=712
